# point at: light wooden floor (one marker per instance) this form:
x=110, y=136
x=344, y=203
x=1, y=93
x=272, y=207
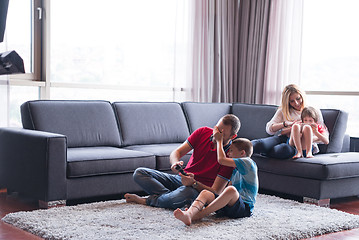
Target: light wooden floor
x=10, y=204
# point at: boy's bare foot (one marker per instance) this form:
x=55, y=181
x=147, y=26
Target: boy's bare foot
x=133, y=198
x=298, y=155
x=183, y=216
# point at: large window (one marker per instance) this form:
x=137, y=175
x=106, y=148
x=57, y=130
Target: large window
x=132, y=46
x=330, y=56
x=116, y=50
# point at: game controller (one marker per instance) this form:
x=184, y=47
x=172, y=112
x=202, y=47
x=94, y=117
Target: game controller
x=180, y=169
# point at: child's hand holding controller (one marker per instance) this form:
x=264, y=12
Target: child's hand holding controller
x=314, y=127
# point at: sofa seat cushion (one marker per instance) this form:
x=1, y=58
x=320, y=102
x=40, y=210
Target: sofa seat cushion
x=162, y=153
x=92, y=161
x=327, y=166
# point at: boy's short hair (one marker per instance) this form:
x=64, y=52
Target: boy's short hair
x=243, y=144
x=233, y=121
x=309, y=112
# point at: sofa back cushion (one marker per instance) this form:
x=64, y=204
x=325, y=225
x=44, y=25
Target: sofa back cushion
x=254, y=118
x=151, y=122
x=336, y=122
x=84, y=123
x=204, y=114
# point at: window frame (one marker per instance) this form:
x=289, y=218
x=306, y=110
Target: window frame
x=36, y=32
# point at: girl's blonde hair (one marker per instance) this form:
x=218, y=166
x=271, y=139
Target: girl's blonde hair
x=286, y=107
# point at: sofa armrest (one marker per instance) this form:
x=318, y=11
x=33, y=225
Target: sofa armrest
x=336, y=121
x=33, y=163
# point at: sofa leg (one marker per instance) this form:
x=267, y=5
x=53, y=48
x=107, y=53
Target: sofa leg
x=51, y=204
x=9, y=193
x=320, y=203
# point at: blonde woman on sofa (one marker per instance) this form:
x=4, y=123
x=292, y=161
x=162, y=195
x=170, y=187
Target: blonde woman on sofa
x=280, y=126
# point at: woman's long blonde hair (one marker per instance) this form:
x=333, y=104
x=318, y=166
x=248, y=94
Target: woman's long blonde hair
x=286, y=107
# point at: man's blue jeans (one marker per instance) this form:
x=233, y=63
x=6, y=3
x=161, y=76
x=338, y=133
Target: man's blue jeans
x=275, y=147
x=165, y=190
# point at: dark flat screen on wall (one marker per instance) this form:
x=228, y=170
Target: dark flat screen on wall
x=3, y=13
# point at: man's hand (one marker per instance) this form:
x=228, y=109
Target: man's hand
x=173, y=167
x=187, y=180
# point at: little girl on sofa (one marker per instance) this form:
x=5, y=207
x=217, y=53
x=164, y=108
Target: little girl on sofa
x=306, y=135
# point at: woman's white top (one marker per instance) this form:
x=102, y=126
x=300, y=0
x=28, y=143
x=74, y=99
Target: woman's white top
x=294, y=116
x=279, y=118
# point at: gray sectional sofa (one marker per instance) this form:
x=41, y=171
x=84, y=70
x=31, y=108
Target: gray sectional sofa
x=71, y=150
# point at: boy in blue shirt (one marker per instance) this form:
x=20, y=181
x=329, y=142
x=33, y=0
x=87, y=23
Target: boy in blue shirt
x=235, y=201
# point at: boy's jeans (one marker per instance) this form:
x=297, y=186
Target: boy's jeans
x=165, y=190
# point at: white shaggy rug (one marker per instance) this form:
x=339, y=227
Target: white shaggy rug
x=274, y=218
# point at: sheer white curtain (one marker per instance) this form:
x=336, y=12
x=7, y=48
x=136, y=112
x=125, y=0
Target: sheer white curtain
x=214, y=52
x=201, y=50
x=284, y=48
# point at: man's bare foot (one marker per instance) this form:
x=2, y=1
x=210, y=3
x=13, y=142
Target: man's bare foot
x=183, y=216
x=298, y=155
x=133, y=198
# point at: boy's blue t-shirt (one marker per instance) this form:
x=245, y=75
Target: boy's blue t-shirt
x=245, y=180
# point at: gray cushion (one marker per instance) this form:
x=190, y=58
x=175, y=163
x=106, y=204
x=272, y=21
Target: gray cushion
x=322, y=167
x=93, y=161
x=151, y=122
x=84, y=123
x=254, y=118
x=336, y=121
x=204, y=114
x=162, y=153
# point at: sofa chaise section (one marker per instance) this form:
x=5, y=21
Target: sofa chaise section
x=313, y=178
